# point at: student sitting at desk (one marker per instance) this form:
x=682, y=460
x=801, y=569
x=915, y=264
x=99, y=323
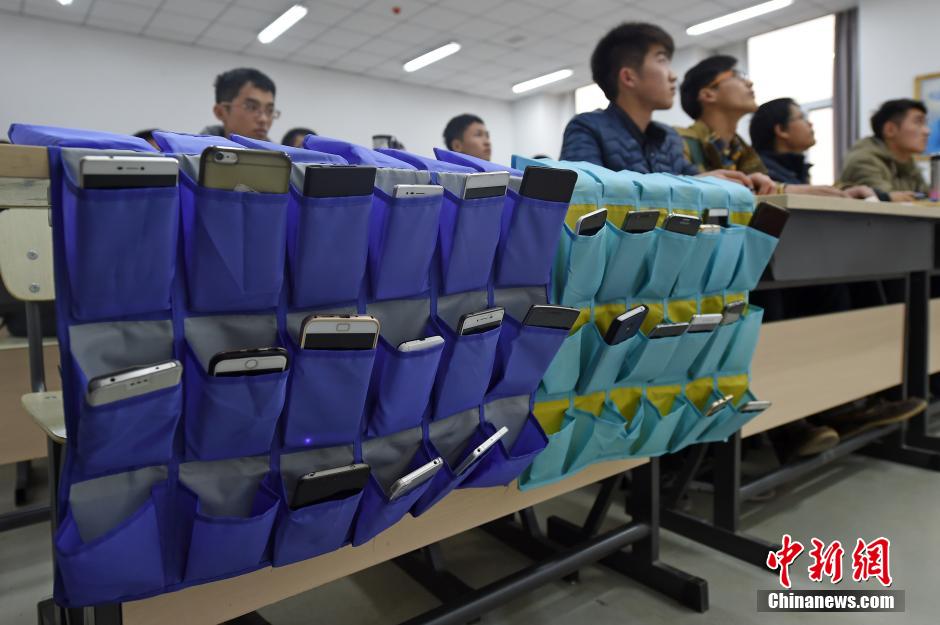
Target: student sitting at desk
x=632, y=64
x=885, y=162
x=244, y=103
x=467, y=134
x=781, y=133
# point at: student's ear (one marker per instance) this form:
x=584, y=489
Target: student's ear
x=219, y=111
x=707, y=96
x=780, y=133
x=456, y=145
x=627, y=77
x=890, y=130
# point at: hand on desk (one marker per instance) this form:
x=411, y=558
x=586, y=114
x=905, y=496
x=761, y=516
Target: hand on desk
x=760, y=184
x=902, y=196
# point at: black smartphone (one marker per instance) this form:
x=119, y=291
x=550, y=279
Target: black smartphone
x=338, y=180
x=640, y=221
x=592, y=223
x=732, y=312
x=664, y=330
x=769, y=219
x=329, y=485
x=254, y=361
x=548, y=183
x=626, y=325
x=715, y=216
x=682, y=224
x=546, y=316
x=480, y=321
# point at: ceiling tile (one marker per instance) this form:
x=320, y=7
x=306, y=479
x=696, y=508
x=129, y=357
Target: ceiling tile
x=358, y=60
x=115, y=12
x=689, y=15
x=592, y=9
x=152, y=4
x=390, y=70
x=307, y=29
x=115, y=25
x=367, y=23
x=551, y=24
x=586, y=34
x=246, y=18
x=385, y=47
x=482, y=28
x=11, y=6
x=170, y=35
x=408, y=8
x=280, y=48
x=75, y=12
x=414, y=34
x=486, y=51
x=342, y=38
x=514, y=13
x=316, y=53
x=229, y=45
x=485, y=8
x=185, y=25
x=325, y=13
x=238, y=38
x=206, y=9
x=439, y=18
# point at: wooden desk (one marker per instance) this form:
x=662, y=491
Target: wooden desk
x=929, y=210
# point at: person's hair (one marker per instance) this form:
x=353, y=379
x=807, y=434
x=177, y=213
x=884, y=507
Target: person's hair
x=457, y=126
x=893, y=111
x=625, y=46
x=293, y=133
x=700, y=77
x=146, y=135
x=228, y=84
x=765, y=120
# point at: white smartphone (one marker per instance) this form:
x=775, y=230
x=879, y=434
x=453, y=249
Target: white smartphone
x=480, y=450
x=132, y=382
x=416, y=478
x=247, y=362
x=420, y=344
x=755, y=405
x=339, y=332
x=116, y=172
x=718, y=404
x=591, y=224
x=417, y=190
x=485, y=184
x=480, y=321
x=704, y=323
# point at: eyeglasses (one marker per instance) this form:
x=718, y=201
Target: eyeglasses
x=253, y=107
x=723, y=76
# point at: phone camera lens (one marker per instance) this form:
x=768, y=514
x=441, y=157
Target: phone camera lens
x=219, y=156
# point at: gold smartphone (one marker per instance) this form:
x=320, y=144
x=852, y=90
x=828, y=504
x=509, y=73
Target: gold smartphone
x=236, y=169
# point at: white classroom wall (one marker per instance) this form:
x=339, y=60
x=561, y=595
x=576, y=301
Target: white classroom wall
x=68, y=75
x=897, y=41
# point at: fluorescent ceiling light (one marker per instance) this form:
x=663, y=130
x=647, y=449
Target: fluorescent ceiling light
x=65, y=3
x=541, y=81
x=431, y=57
x=277, y=28
x=737, y=16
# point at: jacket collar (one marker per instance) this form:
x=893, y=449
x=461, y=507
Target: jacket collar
x=655, y=135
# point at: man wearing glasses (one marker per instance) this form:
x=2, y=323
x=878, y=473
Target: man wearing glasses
x=717, y=96
x=244, y=103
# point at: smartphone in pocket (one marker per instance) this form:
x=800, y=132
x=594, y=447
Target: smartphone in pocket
x=732, y=312
x=253, y=361
x=590, y=224
x=682, y=224
x=718, y=404
x=485, y=184
x=548, y=184
x=339, y=332
x=329, y=485
x=419, y=345
x=338, y=180
x=704, y=323
x=626, y=325
x=417, y=190
x=665, y=330
x=480, y=451
x=416, y=478
x=241, y=169
x=133, y=382
x=126, y=172
x=481, y=321
x=637, y=222
x=755, y=405
x=769, y=219
x=548, y=316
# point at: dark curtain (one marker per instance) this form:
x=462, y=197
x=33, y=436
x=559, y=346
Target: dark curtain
x=845, y=85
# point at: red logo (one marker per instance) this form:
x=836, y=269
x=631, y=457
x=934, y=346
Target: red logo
x=782, y=559
x=869, y=560
x=826, y=562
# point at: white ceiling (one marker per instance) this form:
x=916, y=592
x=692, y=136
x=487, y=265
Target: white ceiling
x=503, y=42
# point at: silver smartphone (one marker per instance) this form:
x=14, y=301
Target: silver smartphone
x=416, y=478
x=417, y=190
x=485, y=184
x=339, y=332
x=665, y=330
x=591, y=224
x=132, y=382
x=418, y=345
x=247, y=362
x=718, y=404
x=704, y=323
x=709, y=229
x=121, y=172
x=755, y=405
x=481, y=450
x=480, y=321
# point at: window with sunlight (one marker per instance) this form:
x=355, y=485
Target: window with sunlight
x=797, y=62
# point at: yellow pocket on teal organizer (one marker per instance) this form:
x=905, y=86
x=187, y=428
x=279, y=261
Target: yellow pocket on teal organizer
x=549, y=465
x=724, y=260
x=694, y=422
x=607, y=436
x=655, y=427
x=562, y=374
x=740, y=350
x=666, y=260
x=601, y=362
x=627, y=257
x=730, y=420
x=648, y=359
